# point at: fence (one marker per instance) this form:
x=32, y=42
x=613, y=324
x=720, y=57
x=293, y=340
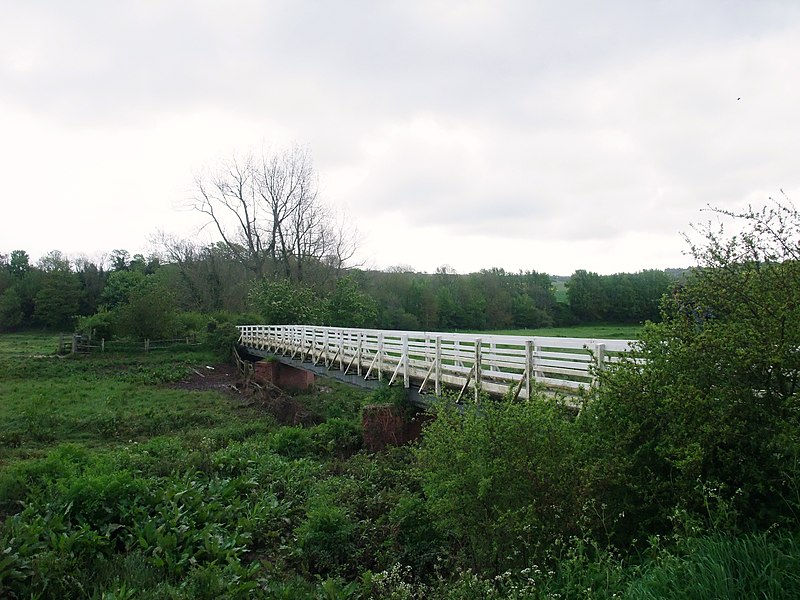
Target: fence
x=83, y=344
x=490, y=363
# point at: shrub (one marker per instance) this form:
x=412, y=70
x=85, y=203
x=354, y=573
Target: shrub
x=221, y=337
x=716, y=403
x=100, y=325
x=292, y=442
x=325, y=539
x=191, y=323
x=502, y=479
x=337, y=437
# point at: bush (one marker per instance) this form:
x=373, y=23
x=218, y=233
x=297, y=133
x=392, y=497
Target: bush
x=191, y=323
x=710, y=421
x=100, y=325
x=325, y=539
x=502, y=479
x=221, y=337
x=337, y=437
x=292, y=442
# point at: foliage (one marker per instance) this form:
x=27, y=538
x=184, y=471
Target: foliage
x=284, y=303
x=749, y=566
x=119, y=287
x=11, y=313
x=292, y=442
x=710, y=421
x=501, y=479
x=348, y=306
x=325, y=538
x=149, y=313
x=678, y=478
x=100, y=325
x=337, y=437
x=221, y=337
x=120, y=487
x=218, y=278
x=618, y=298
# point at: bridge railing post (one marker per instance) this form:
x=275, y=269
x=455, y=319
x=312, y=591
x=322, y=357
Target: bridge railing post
x=404, y=358
x=529, y=375
x=358, y=352
x=380, y=356
x=438, y=366
x=600, y=361
x=342, y=348
x=477, y=367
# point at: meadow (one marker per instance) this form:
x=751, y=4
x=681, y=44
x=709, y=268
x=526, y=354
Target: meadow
x=132, y=476
x=621, y=331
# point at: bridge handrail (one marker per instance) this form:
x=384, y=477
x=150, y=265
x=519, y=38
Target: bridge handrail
x=492, y=363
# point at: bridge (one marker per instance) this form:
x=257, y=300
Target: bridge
x=429, y=362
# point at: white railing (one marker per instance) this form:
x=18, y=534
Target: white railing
x=495, y=364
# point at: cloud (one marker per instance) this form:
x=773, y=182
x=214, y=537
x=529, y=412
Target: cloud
x=492, y=132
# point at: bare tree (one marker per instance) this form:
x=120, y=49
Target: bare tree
x=268, y=213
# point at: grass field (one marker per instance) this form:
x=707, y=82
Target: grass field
x=614, y=332
x=104, y=400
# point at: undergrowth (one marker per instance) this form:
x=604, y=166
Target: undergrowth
x=115, y=484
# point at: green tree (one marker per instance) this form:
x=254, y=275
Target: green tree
x=587, y=296
x=19, y=263
x=713, y=413
x=148, y=313
x=348, y=306
x=54, y=261
x=119, y=287
x=11, y=314
x=285, y=303
x=57, y=301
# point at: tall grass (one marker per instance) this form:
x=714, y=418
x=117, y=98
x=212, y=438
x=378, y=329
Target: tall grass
x=724, y=568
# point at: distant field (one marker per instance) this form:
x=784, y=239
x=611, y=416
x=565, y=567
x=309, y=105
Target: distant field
x=27, y=344
x=614, y=332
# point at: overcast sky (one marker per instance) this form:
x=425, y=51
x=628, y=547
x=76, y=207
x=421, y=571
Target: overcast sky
x=547, y=135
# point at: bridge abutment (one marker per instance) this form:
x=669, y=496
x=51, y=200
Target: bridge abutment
x=283, y=376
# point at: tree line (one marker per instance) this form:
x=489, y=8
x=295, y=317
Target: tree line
x=151, y=296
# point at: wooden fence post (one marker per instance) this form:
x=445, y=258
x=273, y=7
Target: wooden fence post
x=600, y=357
x=529, y=375
x=477, y=368
x=380, y=356
x=438, y=366
x=404, y=358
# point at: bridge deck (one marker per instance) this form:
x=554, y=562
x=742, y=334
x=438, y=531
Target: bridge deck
x=432, y=361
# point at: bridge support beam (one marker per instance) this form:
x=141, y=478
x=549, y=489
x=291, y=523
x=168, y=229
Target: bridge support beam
x=282, y=375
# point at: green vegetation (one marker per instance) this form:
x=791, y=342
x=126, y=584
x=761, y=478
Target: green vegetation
x=116, y=484
x=142, y=298
x=678, y=477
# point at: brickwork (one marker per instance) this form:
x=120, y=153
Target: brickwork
x=283, y=376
